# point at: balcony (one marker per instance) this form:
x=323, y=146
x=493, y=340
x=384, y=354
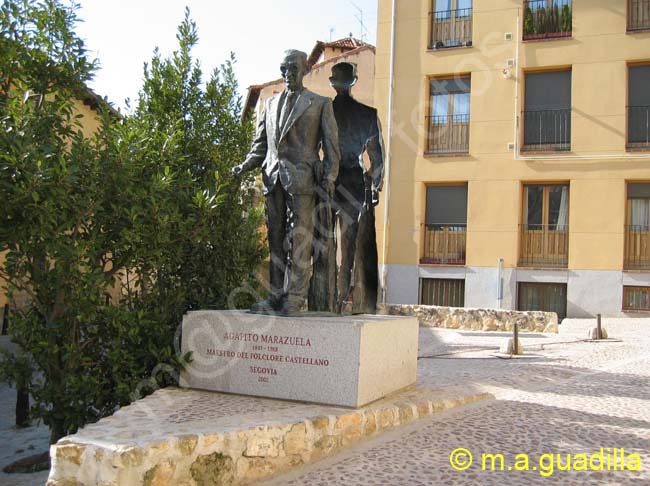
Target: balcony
x=547, y=19
x=638, y=15
x=547, y=131
x=448, y=134
x=544, y=246
x=638, y=127
x=444, y=244
x=637, y=248
x=451, y=28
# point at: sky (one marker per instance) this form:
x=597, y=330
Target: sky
x=123, y=34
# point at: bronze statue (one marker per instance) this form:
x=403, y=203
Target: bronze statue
x=357, y=192
x=295, y=126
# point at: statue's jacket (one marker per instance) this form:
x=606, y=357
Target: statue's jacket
x=291, y=154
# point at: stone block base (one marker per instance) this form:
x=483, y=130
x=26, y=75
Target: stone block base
x=336, y=360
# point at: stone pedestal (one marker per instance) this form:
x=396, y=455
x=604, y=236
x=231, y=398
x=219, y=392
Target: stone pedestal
x=346, y=361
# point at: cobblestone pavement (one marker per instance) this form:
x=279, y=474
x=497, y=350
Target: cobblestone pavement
x=570, y=397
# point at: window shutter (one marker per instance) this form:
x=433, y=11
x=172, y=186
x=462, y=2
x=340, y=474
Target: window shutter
x=548, y=91
x=446, y=205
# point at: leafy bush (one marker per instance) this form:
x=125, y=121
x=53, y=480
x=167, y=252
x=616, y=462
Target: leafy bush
x=145, y=204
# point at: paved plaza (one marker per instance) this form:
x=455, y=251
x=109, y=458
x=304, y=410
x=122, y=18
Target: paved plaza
x=566, y=396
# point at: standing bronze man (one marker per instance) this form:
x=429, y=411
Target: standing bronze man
x=295, y=125
x=357, y=191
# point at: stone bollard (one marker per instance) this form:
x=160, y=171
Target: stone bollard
x=508, y=347
x=513, y=345
x=597, y=333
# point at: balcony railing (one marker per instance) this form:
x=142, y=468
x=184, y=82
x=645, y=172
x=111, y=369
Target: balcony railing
x=638, y=127
x=547, y=130
x=547, y=19
x=451, y=28
x=638, y=17
x=448, y=134
x=444, y=244
x=544, y=246
x=637, y=247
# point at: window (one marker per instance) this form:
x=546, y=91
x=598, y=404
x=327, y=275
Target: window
x=636, y=298
x=443, y=9
x=547, y=111
x=445, y=229
x=637, y=233
x=547, y=19
x=442, y=292
x=450, y=112
x=545, y=232
x=638, y=15
x=638, y=111
x=451, y=24
x=546, y=297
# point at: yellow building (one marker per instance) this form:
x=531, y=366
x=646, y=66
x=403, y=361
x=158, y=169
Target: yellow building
x=519, y=142
x=87, y=108
x=323, y=56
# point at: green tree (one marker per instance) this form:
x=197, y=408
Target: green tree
x=203, y=217
x=146, y=203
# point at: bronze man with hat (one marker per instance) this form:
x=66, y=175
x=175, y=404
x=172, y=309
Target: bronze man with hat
x=357, y=192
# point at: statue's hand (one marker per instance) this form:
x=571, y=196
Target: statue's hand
x=375, y=197
x=237, y=170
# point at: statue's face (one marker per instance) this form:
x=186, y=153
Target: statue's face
x=342, y=79
x=293, y=69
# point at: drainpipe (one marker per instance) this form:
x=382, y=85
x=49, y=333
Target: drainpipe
x=518, y=74
x=384, y=276
x=500, y=284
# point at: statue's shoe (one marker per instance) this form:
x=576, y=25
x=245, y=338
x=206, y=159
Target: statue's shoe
x=267, y=305
x=292, y=308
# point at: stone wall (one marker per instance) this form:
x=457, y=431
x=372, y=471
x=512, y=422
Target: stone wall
x=475, y=319
x=133, y=447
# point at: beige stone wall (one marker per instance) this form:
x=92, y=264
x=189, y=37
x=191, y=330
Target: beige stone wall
x=476, y=319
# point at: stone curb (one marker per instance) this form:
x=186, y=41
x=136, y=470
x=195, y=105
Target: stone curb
x=237, y=457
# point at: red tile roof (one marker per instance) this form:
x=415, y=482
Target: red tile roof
x=347, y=43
